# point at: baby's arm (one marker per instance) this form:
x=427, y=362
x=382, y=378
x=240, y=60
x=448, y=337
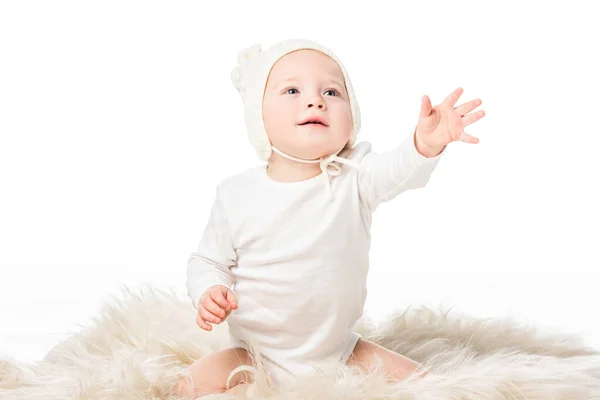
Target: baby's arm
x=210, y=264
x=384, y=176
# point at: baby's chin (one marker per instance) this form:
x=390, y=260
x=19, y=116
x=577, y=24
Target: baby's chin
x=312, y=149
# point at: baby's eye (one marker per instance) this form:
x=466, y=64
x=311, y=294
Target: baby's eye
x=329, y=90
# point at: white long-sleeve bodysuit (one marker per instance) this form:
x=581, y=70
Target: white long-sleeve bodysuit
x=296, y=259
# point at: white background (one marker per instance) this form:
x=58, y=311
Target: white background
x=118, y=119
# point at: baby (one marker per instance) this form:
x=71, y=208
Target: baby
x=284, y=256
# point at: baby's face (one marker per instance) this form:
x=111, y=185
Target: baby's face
x=306, y=83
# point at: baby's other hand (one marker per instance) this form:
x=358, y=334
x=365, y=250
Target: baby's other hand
x=445, y=123
x=215, y=305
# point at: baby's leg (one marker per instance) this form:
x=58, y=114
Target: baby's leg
x=396, y=366
x=210, y=373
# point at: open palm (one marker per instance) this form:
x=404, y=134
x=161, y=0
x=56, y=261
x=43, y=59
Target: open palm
x=445, y=123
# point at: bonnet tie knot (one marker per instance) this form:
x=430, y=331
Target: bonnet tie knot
x=327, y=165
x=330, y=169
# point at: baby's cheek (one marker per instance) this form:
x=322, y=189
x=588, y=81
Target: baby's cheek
x=345, y=130
x=346, y=120
x=277, y=126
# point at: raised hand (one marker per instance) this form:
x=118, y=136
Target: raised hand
x=445, y=123
x=215, y=305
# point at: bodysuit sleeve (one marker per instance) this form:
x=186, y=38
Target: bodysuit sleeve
x=384, y=176
x=210, y=264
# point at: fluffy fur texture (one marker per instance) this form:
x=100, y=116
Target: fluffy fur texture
x=141, y=343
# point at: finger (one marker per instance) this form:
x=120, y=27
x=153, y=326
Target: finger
x=218, y=297
x=470, y=118
x=425, y=106
x=209, y=317
x=465, y=137
x=202, y=323
x=468, y=107
x=453, y=97
x=213, y=308
x=231, y=299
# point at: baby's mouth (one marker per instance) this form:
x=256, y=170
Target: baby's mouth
x=314, y=124
x=314, y=120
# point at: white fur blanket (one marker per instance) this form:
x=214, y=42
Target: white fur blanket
x=142, y=342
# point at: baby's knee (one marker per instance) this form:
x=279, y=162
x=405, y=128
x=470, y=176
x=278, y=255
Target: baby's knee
x=187, y=388
x=209, y=374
